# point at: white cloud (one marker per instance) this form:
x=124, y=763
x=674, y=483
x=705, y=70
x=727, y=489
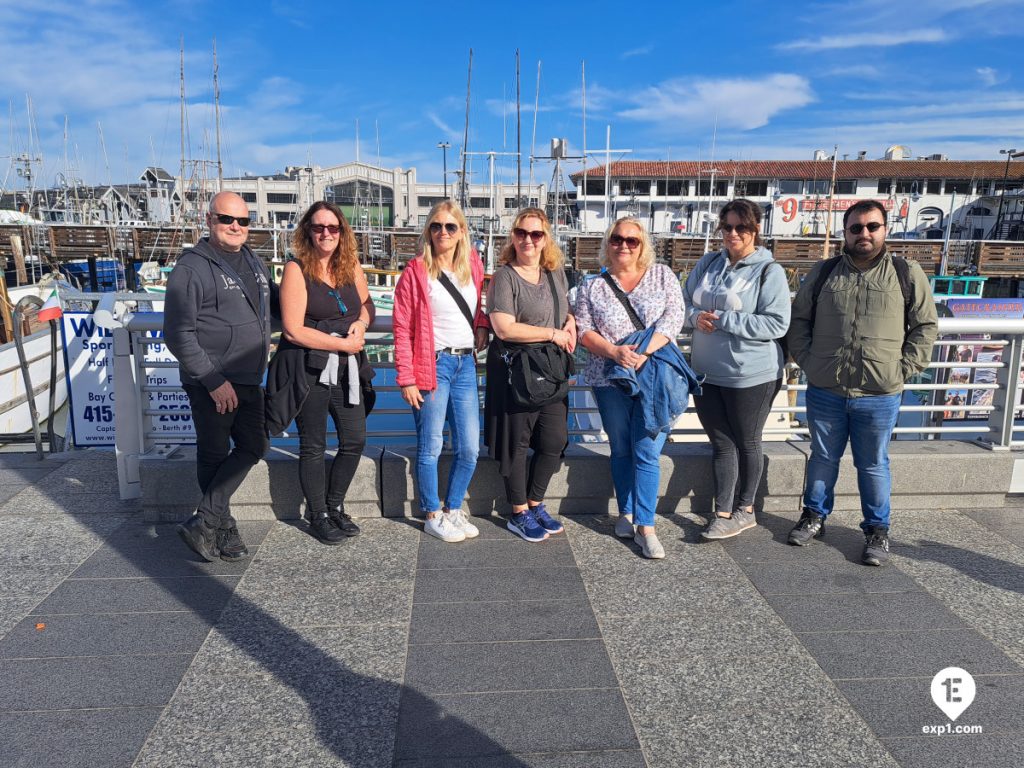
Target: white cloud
x=450, y=133
x=738, y=103
x=864, y=71
x=866, y=39
x=643, y=50
x=988, y=76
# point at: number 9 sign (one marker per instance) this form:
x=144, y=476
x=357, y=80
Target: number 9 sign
x=789, y=208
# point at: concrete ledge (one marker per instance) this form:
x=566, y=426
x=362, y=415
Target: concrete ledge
x=939, y=474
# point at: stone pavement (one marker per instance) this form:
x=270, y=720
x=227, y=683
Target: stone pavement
x=118, y=647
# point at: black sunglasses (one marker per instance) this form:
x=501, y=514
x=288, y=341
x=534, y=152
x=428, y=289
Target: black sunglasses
x=436, y=226
x=871, y=226
x=739, y=229
x=617, y=240
x=319, y=228
x=227, y=221
x=522, y=234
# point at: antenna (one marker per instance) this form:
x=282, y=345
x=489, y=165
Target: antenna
x=103, y=146
x=216, y=112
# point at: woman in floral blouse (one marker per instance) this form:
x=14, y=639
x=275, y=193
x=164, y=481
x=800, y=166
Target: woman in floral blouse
x=603, y=322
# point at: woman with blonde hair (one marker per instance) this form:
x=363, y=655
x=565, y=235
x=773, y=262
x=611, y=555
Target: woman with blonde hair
x=527, y=305
x=438, y=327
x=633, y=295
x=320, y=366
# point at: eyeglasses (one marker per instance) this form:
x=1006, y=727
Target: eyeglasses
x=618, y=240
x=739, y=229
x=341, y=304
x=436, y=226
x=319, y=228
x=871, y=226
x=534, y=234
x=227, y=221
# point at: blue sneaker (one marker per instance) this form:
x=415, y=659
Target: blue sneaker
x=546, y=521
x=526, y=526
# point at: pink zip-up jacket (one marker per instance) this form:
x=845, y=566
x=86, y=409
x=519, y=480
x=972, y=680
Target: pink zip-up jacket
x=413, y=323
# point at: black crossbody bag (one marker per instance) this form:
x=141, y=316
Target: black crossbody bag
x=621, y=296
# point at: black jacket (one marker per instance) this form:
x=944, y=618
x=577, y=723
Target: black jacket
x=212, y=325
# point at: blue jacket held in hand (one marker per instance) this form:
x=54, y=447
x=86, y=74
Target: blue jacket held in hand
x=663, y=384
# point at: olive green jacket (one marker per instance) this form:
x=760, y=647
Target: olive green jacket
x=858, y=345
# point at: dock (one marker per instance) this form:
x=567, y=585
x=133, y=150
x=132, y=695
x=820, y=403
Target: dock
x=119, y=647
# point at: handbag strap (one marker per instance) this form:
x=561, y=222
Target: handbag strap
x=554, y=298
x=621, y=296
x=457, y=295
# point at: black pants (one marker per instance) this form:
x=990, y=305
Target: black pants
x=220, y=467
x=547, y=432
x=734, y=419
x=350, y=424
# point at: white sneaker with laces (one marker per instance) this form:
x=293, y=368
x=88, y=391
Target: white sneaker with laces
x=441, y=527
x=460, y=522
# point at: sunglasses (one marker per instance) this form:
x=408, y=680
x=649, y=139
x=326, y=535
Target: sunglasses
x=871, y=226
x=436, y=226
x=618, y=240
x=319, y=228
x=739, y=229
x=337, y=298
x=534, y=234
x=227, y=221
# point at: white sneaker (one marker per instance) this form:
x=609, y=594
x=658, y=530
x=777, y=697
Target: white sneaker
x=460, y=522
x=650, y=547
x=624, y=527
x=441, y=527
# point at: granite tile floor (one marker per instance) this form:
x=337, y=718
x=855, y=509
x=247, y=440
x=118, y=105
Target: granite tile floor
x=119, y=648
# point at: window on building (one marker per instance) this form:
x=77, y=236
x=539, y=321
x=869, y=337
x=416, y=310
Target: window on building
x=252, y=215
x=480, y=202
x=595, y=186
x=846, y=186
x=280, y=198
x=704, y=187
x=751, y=188
x=982, y=186
x=249, y=197
x=818, y=186
x=428, y=202
x=629, y=187
x=909, y=186
x=884, y=186
x=934, y=187
x=1009, y=185
x=510, y=204
x=281, y=217
x=673, y=187
x=791, y=186
x=960, y=186
x=980, y=210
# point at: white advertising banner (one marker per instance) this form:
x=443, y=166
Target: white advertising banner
x=89, y=361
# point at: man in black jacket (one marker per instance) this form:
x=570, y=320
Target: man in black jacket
x=217, y=324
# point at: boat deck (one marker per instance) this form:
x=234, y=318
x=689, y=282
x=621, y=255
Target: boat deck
x=119, y=648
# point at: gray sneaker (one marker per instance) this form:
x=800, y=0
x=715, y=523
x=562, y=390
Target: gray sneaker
x=727, y=527
x=649, y=545
x=624, y=527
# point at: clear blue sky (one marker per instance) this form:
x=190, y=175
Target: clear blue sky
x=782, y=79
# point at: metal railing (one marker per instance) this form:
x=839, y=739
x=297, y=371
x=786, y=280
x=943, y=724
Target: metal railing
x=994, y=426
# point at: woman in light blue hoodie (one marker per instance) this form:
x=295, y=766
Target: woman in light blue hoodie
x=737, y=302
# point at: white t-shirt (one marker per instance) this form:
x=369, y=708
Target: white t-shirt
x=450, y=327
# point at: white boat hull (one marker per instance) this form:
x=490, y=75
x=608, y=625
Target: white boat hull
x=15, y=417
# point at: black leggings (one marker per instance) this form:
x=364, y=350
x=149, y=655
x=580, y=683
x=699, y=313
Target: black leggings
x=547, y=432
x=734, y=419
x=350, y=424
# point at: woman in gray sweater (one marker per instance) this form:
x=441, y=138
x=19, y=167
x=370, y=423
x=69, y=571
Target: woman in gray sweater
x=738, y=304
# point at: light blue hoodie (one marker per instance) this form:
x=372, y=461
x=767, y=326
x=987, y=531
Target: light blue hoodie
x=741, y=351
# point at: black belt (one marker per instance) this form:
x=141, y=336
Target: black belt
x=457, y=351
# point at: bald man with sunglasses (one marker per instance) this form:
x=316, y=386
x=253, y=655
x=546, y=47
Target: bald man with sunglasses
x=217, y=324
x=862, y=324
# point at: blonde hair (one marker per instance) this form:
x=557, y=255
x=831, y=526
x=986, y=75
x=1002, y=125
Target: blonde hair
x=460, y=261
x=646, y=256
x=551, y=257
x=343, y=262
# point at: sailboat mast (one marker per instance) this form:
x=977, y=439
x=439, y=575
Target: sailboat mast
x=465, y=134
x=583, y=223
x=533, y=141
x=216, y=112
x=519, y=143
x=181, y=203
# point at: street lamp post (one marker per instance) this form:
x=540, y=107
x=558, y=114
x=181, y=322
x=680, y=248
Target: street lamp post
x=1006, y=172
x=443, y=146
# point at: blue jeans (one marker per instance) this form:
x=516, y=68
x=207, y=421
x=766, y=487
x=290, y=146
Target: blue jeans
x=635, y=470
x=456, y=400
x=867, y=422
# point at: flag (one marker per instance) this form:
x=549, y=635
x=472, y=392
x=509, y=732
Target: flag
x=51, y=308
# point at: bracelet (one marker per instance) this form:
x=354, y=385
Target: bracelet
x=552, y=335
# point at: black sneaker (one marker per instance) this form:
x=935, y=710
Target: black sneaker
x=323, y=528
x=876, y=546
x=200, y=537
x=344, y=522
x=230, y=545
x=811, y=526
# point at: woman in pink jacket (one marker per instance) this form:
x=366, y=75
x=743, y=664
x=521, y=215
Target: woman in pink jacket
x=439, y=327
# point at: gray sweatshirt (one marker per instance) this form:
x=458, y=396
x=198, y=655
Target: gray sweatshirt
x=741, y=351
x=213, y=324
